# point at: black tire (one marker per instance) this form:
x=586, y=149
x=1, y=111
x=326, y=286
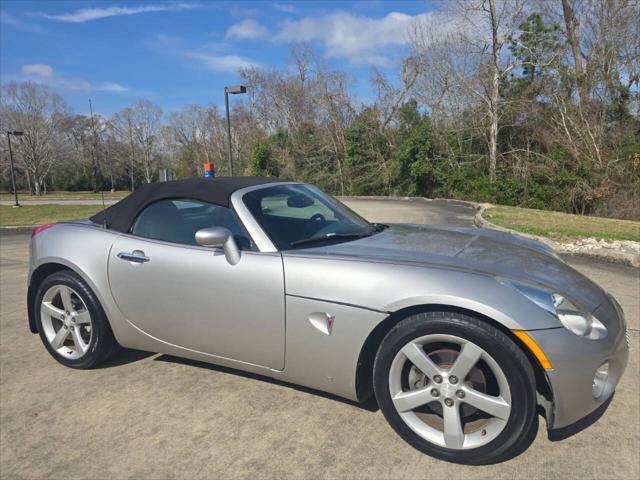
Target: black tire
x=522, y=424
x=102, y=344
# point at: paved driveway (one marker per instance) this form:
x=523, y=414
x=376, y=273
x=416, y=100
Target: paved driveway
x=155, y=416
x=413, y=210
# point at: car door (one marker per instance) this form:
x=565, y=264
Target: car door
x=190, y=296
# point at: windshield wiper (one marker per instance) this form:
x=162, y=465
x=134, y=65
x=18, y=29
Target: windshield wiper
x=378, y=227
x=329, y=237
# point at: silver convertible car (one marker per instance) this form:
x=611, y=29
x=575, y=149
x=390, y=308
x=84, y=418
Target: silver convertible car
x=463, y=336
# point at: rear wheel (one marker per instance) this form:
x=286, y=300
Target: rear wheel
x=71, y=322
x=456, y=388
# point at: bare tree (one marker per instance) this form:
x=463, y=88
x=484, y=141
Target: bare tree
x=37, y=111
x=201, y=129
x=123, y=126
x=146, y=122
x=477, y=60
x=139, y=125
x=572, y=26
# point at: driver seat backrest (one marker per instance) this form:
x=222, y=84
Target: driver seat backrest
x=160, y=221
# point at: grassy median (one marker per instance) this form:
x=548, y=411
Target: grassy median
x=66, y=196
x=28, y=215
x=558, y=225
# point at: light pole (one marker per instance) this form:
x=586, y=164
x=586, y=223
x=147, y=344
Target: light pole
x=233, y=91
x=13, y=175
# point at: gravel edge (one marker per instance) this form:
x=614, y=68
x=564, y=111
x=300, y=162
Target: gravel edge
x=603, y=254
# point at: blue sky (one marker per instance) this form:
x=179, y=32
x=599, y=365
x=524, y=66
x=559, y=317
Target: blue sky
x=178, y=53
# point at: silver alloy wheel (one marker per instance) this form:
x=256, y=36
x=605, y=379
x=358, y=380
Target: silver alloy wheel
x=450, y=391
x=66, y=321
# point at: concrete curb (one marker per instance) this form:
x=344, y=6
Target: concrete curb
x=611, y=256
x=463, y=203
x=18, y=228
x=373, y=197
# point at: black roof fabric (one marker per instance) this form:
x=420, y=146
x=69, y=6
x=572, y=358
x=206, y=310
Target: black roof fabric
x=121, y=215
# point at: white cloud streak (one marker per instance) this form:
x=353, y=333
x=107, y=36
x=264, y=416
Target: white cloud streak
x=45, y=74
x=284, y=7
x=224, y=63
x=110, y=87
x=37, y=69
x=247, y=30
x=357, y=38
x=90, y=14
x=6, y=19
x=213, y=56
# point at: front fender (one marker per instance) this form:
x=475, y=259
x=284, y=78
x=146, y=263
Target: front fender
x=390, y=287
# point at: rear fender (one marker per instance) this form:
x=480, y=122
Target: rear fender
x=83, y=249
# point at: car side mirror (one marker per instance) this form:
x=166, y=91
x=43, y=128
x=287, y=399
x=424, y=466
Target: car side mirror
x=219, y=237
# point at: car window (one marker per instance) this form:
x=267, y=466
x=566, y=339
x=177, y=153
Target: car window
x=295, y=205
x=178, y=220
x=295, y=215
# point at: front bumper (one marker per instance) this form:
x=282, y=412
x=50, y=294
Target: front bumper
x=575, y=361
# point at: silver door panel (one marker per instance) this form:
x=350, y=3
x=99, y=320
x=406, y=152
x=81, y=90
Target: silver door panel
x=191, y=297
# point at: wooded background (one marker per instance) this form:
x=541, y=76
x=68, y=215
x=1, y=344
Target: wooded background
x=532, y=103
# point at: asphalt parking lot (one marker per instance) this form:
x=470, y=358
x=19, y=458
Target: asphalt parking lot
x=154, y=416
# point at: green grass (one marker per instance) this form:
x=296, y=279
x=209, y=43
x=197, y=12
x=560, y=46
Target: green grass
x=28, y=215
x=559, y=226
x=66, y=196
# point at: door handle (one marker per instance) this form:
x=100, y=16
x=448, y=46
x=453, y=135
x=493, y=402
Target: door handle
x=137, y=256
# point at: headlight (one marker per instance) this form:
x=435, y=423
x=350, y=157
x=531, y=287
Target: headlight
x=572, y=318
x=582, y=324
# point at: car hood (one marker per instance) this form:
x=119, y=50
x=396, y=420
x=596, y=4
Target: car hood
x=490, y=252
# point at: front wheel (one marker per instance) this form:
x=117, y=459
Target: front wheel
x=456, y=388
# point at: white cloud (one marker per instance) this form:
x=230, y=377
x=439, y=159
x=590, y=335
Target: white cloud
x=110, y=87
x=38, y=69
x=356, y=38
x=89, y=14
x=225, y=63
x=247, y=29
x=243, y=12
x=284, y=7
x=45, y=74
x=211, y=56
x=7, y=19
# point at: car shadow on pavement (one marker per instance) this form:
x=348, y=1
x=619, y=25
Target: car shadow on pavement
x=123, y=357
x=370, y=405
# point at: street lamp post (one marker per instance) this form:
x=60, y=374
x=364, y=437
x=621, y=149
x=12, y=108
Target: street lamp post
x=15, y=133
x=233, y=91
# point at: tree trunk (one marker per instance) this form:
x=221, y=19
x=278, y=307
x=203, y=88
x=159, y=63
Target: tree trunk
x=340, y=177
x=571, y=24
x=148, y=173
x=131, y=167
x=132, y=177
x=494, y=93
x=26, y=172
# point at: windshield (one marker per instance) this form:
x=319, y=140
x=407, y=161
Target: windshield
x=296, y=216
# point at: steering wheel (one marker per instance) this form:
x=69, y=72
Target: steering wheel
x=318, y=217
x=315, y=224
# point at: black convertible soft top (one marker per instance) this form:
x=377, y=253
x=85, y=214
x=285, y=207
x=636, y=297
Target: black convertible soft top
x=121, y=215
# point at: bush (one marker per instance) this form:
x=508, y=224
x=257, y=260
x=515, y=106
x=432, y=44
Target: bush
x=262, y=163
